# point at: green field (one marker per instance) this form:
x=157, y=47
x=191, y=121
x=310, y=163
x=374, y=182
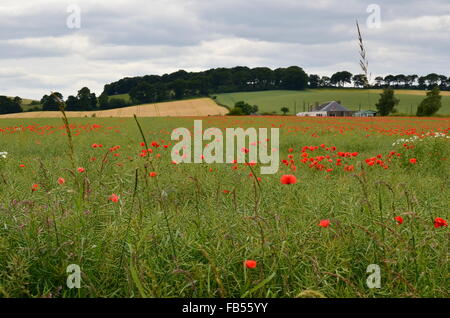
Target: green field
x=124, y=97
x=297, y=101
x=353, y=99
x=188, y=231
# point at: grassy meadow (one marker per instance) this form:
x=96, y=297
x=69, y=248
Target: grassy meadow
x=353, y=99
x=187, y=229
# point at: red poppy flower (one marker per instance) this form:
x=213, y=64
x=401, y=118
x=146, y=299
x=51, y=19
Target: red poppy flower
x=81, y=170
x=22, y=166
x=324, y=223
x=250, y=264
x=288, y=179
x=61, y=181
x=439, y=222
x=35, y=187
x=114, y=198
x=413, y=161
x=152, y=174
x=399, y=219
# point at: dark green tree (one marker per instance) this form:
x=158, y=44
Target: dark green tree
x=400, y=80
x=294, y=78
x=51, y=102
x=162, y=93
x=379, y=81
x=325, y=81
x=314, y=81
x=284, y=110
x=340, y=78
x=387, y=102
x=103, y=101
x=422, y=81
x=17, y=100
x=389, y=79
x=360, y=80
x=246, y=108
x=143, y=93
x=72, y=103
x=179, y=88
x=10, y=105
x=431, y=104
x=86, y=99
x=432, y=79
x=410, y=80
x=443, y=81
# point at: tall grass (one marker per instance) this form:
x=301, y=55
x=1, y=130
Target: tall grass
x=180, y=235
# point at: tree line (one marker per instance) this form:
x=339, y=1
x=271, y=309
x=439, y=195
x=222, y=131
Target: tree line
x=401, y=81
x=10, y=105
x=181, y=84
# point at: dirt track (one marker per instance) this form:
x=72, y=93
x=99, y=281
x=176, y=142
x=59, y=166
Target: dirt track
x=191, y=107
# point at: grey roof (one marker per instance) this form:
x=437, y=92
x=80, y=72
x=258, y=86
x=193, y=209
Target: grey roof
x=330, y=107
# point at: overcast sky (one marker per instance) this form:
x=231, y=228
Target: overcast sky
x=117, y=38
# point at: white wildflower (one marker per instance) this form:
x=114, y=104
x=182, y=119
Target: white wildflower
x=3, y=154
x=422, y=138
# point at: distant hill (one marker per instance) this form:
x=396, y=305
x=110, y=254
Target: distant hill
x=27, y=103
x=353, y=99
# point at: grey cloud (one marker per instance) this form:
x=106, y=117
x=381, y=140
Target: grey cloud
x=135, y=37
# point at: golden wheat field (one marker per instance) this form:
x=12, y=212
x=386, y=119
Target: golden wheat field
x=192, y=107
x=414, y=92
